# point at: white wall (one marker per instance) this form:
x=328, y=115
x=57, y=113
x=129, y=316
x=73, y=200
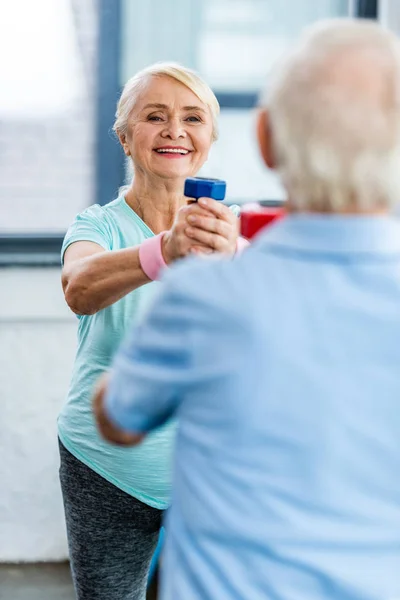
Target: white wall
x=389, y=14
x=37, y=345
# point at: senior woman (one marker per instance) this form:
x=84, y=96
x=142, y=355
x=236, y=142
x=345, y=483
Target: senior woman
x=114, y=497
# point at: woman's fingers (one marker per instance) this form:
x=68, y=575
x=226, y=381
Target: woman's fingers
x=195, y=209
x=211, y=240
x=211, y=224
x=218, y=209
x=201, y=229
x=211, y=208
x=201, y=250
x=206, y=227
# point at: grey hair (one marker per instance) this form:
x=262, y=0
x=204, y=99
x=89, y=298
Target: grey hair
x=335, y=137
x=183, y=75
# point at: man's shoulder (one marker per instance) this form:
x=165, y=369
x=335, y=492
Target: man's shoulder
x=200, y=274
x=212, y=282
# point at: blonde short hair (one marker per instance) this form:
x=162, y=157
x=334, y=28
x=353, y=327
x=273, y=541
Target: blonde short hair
x=183, y=75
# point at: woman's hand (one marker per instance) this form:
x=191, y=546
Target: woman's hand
x=203, y=227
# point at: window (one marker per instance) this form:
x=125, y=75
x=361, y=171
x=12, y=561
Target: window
x=233, y=44
x=46, y=114
x=241, y=39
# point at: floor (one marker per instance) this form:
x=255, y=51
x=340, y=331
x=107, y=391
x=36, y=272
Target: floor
x=44, y=582
x=36, y=582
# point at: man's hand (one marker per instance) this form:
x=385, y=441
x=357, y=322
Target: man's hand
x=107, y=429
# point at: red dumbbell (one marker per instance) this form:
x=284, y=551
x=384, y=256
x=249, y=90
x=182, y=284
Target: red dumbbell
x=254, y=217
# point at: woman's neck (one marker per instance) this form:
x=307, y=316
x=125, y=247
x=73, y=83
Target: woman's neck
x=156, y=202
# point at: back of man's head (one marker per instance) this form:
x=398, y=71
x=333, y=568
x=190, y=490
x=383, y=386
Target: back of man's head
x=334, y=118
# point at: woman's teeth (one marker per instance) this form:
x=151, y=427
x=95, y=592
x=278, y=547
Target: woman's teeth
x=172, y=150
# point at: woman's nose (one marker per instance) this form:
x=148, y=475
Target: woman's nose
x=174, y=129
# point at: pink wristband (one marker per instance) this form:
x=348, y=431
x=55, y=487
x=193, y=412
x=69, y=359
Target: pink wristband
x=241, y=244
x=151, y=257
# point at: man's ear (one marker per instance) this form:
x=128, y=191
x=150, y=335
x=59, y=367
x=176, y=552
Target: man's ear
x=264, y=136
x=125, y=146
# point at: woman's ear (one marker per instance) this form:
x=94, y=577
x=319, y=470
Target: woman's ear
x=264, y=137
x=124, y=144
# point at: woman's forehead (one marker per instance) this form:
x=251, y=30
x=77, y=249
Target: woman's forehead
x=166, y=91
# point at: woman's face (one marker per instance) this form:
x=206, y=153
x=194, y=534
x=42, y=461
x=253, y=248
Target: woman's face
x=169, y=130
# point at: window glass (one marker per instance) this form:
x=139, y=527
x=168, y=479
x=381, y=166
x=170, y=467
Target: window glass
x=46, y=113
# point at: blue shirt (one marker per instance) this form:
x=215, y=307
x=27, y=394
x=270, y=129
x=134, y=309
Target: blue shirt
x=283, y=368
x=145, y=471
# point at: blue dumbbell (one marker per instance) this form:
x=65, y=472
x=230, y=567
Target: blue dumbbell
x=200, y=187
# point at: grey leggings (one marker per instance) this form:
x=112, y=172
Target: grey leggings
x=111, y=535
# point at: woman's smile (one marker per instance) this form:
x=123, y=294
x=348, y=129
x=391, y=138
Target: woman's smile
x=175, y=152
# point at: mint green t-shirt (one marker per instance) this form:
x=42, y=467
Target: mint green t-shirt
x=143, y=471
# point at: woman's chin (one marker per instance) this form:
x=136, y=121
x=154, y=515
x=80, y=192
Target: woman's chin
x=173, y=172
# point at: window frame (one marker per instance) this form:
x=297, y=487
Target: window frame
x=43, y=249
x=367, y=9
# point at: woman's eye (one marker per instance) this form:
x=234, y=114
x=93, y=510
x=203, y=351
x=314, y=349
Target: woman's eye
x=154, y=118
x=193, y=119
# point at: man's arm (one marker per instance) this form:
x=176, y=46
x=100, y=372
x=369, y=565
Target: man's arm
x=149, y=372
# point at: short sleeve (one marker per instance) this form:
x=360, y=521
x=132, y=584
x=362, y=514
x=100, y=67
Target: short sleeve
x=168, y=354
x=153, y=364
x=89, y=226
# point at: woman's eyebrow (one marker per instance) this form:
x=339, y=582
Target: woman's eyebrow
x=164, y=106
x=194, y=108
x=155, y=105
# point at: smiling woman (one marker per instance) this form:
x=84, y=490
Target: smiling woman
x=168, y=120
x=113, y=496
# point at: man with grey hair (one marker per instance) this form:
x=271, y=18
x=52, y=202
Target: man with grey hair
x=283, y=366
